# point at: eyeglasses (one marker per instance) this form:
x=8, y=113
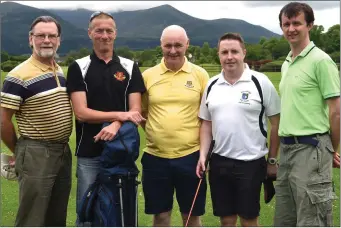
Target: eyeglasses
x=41, y=37
x=97, y=13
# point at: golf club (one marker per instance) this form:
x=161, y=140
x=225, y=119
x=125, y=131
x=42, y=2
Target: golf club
x=203, y=175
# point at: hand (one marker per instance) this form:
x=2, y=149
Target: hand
x=200, y=167
x=133, y=116
x=336, y=160
x=271, y=170
x=11, y=161
x=108, y=132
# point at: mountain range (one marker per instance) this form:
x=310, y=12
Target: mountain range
x=138, y=30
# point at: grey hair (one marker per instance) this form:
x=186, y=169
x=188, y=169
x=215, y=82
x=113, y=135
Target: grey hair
x=173, y=28
x=45, y=19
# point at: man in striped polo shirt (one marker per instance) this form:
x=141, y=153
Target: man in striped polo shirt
x=35, y=92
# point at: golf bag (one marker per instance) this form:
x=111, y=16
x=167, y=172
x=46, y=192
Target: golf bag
x=112, y=199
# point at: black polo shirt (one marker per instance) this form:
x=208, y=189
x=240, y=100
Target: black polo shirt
x=107, y=89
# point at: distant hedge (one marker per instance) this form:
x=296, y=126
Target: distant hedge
x=271, y=67
x=9, y=65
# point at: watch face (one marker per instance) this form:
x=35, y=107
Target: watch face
x=272, y=161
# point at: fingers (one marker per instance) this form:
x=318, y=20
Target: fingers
x=200, y=169
x=98, y=136
x=336, y=160
x=135, y=117
x=11, y=161
x=107, y=134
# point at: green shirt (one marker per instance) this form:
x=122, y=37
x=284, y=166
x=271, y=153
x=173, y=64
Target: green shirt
x=306, y=83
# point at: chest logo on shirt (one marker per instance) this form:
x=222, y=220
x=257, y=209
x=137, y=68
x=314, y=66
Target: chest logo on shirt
x=119, y=76
x=245, y=97
x=189, y=84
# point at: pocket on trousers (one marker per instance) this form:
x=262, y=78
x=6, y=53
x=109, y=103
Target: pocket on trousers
x=19, y=153
x=330, y=148
x=321, y=200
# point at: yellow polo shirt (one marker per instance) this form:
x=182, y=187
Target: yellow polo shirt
x=171, y=105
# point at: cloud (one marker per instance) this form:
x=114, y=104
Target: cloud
x=316, y=5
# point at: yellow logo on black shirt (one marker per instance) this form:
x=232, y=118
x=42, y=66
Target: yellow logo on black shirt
x=119, y=76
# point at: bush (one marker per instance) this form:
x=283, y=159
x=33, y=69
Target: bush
x=335, y=56
x=271, y=67
x=9, y=65
x=282, y=58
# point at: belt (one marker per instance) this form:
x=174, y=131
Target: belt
x=304, y=139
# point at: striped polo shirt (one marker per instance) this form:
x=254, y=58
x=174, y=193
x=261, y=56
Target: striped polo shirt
x=38, y=94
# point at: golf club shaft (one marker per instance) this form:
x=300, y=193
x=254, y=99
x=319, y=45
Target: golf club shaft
x=210, y=150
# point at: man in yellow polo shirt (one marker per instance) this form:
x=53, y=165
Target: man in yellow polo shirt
x=171, y=105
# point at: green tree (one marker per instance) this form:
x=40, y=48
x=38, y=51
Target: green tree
x=254, y=52
x=262, y=40
x=124, y=52
x=83, y=52
x=332, y=39
x=316, y=35
x=4, y=56
x=205, y=49
x=282, y=48
x=270, y=44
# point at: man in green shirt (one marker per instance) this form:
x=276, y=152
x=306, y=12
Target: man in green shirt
x=309, y=125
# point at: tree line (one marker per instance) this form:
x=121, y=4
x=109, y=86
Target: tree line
x=266, y=53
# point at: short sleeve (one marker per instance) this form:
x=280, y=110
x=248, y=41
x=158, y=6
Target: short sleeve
x=204, y=79
x=272, y=102
x=74, y=80
x=328, y=78
x=13, y=92
x=136, y=84
x=203, y=111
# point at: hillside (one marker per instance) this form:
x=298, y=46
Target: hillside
x=138, y=29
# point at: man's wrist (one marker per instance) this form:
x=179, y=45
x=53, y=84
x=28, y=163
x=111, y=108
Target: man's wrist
x=272, y=161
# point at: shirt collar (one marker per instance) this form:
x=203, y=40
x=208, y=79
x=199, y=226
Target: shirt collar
x=115, y=58
x=246, y=76
x=303, y=53
x=43, y=66
x=186, y=67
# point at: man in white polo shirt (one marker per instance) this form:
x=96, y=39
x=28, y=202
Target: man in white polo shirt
x=234, y=108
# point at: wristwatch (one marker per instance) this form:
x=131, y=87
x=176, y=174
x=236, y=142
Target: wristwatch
x=272, y=161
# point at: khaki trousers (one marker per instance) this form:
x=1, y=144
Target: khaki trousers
x=304, y=188
x=44, y=176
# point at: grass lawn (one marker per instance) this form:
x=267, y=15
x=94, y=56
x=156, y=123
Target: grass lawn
x=9, y=192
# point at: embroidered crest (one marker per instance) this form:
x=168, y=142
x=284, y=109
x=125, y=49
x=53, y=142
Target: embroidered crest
x=245, y=97
x=119, y=76
x=189, y=84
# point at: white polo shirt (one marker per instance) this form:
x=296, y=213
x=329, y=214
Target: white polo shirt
x=235, y=111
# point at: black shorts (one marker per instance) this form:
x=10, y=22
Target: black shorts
x=236, y=185
x=161, y=176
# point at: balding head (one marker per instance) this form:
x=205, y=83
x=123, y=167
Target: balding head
x=174, y=30
x=174, y=43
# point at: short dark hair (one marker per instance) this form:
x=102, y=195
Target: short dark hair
x=46, y=19
x=232, y=36
x=294, y=8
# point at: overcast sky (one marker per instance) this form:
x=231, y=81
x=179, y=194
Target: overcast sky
x=263, y=13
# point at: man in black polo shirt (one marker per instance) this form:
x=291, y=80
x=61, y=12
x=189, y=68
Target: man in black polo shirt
x=103, y=88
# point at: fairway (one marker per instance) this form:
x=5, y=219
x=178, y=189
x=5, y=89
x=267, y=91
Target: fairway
x=9, y=191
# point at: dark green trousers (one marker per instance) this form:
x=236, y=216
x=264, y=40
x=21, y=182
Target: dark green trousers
x=44, y=176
